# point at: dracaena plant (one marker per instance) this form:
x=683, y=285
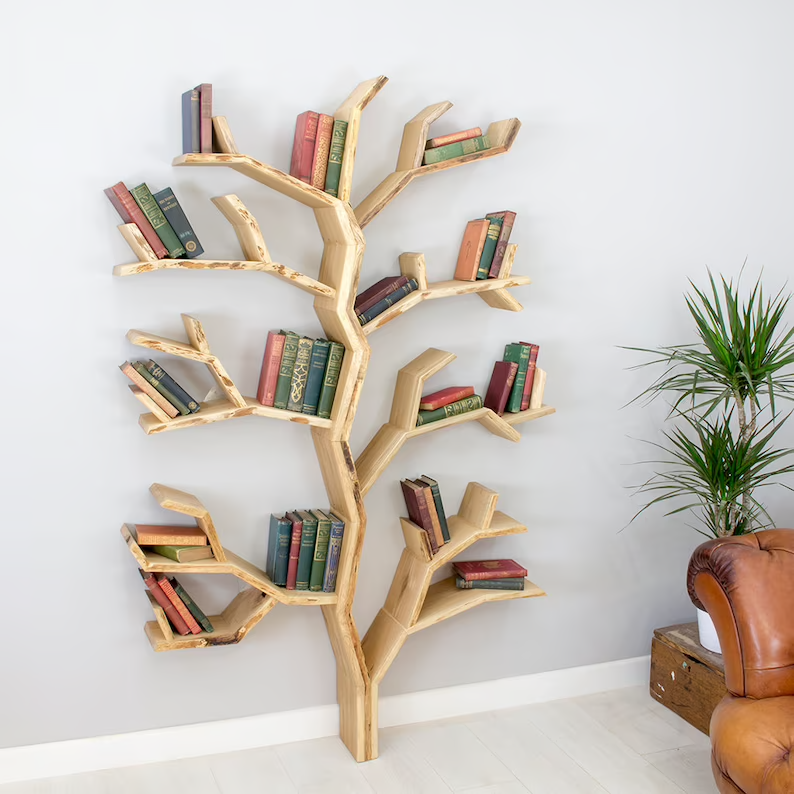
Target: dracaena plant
x=720, y=450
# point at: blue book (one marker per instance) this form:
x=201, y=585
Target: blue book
x=278, y=549
x=191, y=122
x=334, y=553
x=314, y=380
x=172, y=386
x=389, y=300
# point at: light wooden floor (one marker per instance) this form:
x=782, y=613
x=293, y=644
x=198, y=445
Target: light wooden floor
x=620, y=742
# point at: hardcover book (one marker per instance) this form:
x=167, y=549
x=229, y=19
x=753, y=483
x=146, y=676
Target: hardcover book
x=279, y=542
x=320, y=550
x=191, y=122
x=205, y=132
x=489, y=569
x=303, y=146
x=140, y=368
x=471, y=249
x=378, y=291
x=294, y=549
x=438, y=399
x=308, y=541
x=300, y=373
x=314, y=381
x=146, y=201
x=322, y=149
x=502, y=379
x=335, y=156
x=169, y=535
x=436, y=491
x=192, y=606
x=334, y=553
x=489, y=249
x=271, y=366
x=508, y=219
x=453, y=409
x=519, y=354
x=392, y=298
x=184, y=553
x=454, y=150
x=455, y=137
x=435, y=523
x=178, y=221
x=418, y=512
x=336, y=355
x=184, y=612
x=143, y=384
x=490, y=584
x=130, y=212
x=530, y=380
x=176, y=620
x=285, y=370
x=170, y=385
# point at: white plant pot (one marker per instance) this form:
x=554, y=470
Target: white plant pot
x=708, y=634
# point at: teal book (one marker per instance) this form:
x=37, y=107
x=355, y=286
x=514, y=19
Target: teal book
x=306, y=555
x=172, y=386
x=151, y=209
x=192, y=606
x=314, y=382
x=458, y=149
x=300, y=373
x=336, y=355
x=285, y=372
x=436, y=491
x=279, y=540
x=518, y=354
x=453, y=409
x=334, y=172
x=334, y=553
x=489, y=249
x=140, y=368
x=489, y=584
x=320, y=550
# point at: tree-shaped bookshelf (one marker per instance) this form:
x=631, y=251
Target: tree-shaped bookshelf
x=413, y=602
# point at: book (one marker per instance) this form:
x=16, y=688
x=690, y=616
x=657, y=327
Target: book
x=377, y=292
x=169, y=535
x=418, y=512
x=271, y=366
x=512, y=583
x=530, y=380
x=285, y=370
x=129, y=370
x=130, y=212
x=279, y=542
x=314, y=380
x=471, y=570
x=178, y=221
x=140, y=368
x=322, y=149
x=300, y=373
x=184, y=553
x=294, y=549
x=320, y=550
x=191, y=122
x=453, y=409
x=303, y=146
x=392, y=298
x=308, y=541
x=436, y=491
x=471, y=249
x=192, y=606
x=502, y=379
x=151, y=209
x=205, y=122
x=335, y=157
x=435, y=523
x=520, y=355
x=508, y=219
x=455, y=137
x=489, y=248
x=334, y=553
x=176, y=620
x=458, y=149
x=336, y=355
x=179, y=604
x=171, y=386
x=451, y=394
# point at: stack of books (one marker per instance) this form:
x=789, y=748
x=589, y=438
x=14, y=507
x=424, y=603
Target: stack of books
x=160, y=219
x=489, y=575
x=448, y=402
x=181, y=610
x=512, y=379
x=482, y=251
x=457, y=144
x=318, y=150
x=154, y=381
x=197, y=119
x=384, y=293
x=303, y=550
x=426, y=510
x=300, y=374
x=179, y=543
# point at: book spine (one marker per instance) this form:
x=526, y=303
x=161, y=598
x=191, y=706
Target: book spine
x=435, y=523
x=300, y=373
x=508, y=219
x=205, y=93
x=271, y=366
x=294, y=553
x=336, y=356
x=192, y=606
x=170, y=610
x=489, y=584
x=455, y=137
x=153, y=538
x=518, y=354
x=459, y=149
x=184, y=612
x=442, y=516
x=322, y=149
x=178, y=221
x=191, y=142
x=370, y=299
x=489, y=249
x=314, y=380
x=335, y=155
x=272, y=544
x=165, y=380
x=285, y=370
x=320, y=554
x=334, y=554
x=130, y=212
x=308, y=540
x=471, y=249
x=129, y=370
x=453, y=409
x=389, y=300
x=530, y=380
x=445, y=397
x=511, y=572
x=167, y=393
x=303, y=146
x=146, y=201
x=417, y=510
x=174, y=552
x=281, y=566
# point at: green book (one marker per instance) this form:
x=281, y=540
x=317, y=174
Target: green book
x=320, y=550
x=489, y=249
x=453, y=409
x=306, y=554
x=336, y=355
x=184, y=553
x=456, y=150
x=334, y=172
x=300, y=373
x=287, y=365
x=520, y=355
x=169, y=395
x=314, y=381
x=200, y=617
x=489, y=584
x=151, y=209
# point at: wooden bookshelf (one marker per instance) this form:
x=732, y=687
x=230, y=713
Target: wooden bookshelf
x=414, y=601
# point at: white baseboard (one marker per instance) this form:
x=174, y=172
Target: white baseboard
x=187, y=741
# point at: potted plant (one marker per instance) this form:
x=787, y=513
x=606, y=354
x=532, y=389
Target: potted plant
x=723, y=391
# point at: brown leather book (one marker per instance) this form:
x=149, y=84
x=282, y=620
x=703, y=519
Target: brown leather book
x=170, y=610
x=179, y=604
x=435, y=528
x=167, y=535
x=418, y=511
x=502, y=378
x=471, y=249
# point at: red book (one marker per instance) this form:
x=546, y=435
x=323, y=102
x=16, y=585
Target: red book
x=508, y=219
x=271, y=364
x=533, y=362
x=378, y=291
x=454, y=137
x=504, y=374
x=322, y=150
x=303, y=146
x=474, y=570
x=418, y=511
x=170, y=610
x=294, y=549
x=438, y=399
x=471, y=249
x=130, y=212
x=205, y=116
x=179, y=604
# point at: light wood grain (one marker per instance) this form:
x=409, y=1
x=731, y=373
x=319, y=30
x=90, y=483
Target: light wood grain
x=135, y=239
x=245, y=227
x=160, y=617
x=416, y=540
x=149, y=403
x=224, y=139
x=415, y=135
x=538, y=387
x=478, y=505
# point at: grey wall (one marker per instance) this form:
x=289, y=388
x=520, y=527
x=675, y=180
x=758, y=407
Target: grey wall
x=656, y=142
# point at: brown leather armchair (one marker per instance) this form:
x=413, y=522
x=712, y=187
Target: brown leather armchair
x=746, y=584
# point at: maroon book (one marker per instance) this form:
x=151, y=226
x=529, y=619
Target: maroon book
x=474, y=570
x=530, y=380
x=162, y=599
x=130, y=212
x=303, y=146
x=378, y=291
x=271, y=364
x=504, y=373
x=205, y=116
x=294, y=549
x=418, y=511
x=508, y=219
x=438, y=399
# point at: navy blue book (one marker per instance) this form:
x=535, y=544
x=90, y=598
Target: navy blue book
x=191, y=121
x=334, y=553
x=278, y=549
x=389, y=300
x=178, y=221
x=314, y=380
x=172, y=386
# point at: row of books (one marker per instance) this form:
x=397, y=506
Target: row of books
x=484, y=245
x=454, y=145
x=318, y=151
x=426, y=510
x=178, y=542
x=154, y=381
x=300, y=374
x=160, y=219
x=489, y=575
x=382, y=294
x=184, y=615
x=303, y=550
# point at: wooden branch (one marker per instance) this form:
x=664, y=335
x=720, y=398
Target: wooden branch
x=224, y=140
x=245, y=227
x=135, y=239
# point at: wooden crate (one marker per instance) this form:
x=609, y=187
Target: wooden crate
x=686, y=677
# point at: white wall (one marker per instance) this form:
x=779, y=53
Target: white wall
x=656, y=141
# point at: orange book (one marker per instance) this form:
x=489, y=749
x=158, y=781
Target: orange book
x=445, y=140
x=322, y=151
x=147, y=388
x=471, y=249
x=184, y=612
x=159, y=535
